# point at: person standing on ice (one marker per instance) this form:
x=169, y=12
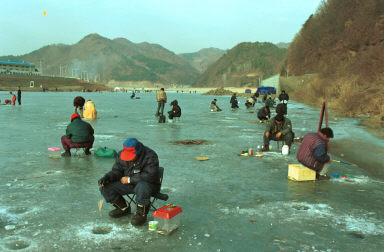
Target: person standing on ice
x=284, y=98
x=234, y=102
x=313, y=154
x=136, y=170
x=161, y=98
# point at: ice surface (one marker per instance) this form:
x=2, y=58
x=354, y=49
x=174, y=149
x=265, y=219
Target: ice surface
x=230, y=203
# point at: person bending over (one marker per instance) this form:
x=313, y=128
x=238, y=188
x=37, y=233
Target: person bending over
x=264, y=113
x=79, y=134
x=78, y=103
x=213, y=106
x=136, y=170
x=313, y=150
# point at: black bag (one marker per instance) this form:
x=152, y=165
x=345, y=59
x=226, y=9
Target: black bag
x=161, y=119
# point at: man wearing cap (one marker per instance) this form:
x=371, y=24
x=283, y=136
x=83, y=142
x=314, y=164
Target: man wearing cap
x=279, y=128
x=313, y=154
x=136, y=170
x=79, y=134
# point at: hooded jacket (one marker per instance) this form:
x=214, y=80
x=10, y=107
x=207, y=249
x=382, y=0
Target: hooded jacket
x=90, y=111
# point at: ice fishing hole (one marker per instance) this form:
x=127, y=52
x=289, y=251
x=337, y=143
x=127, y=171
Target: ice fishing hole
x=101, y=230
x=16, y=245
x=300, y=207
x=356, y=235
x=190, y=142
x=18, y=210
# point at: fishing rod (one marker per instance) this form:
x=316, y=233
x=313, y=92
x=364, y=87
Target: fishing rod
x=343, y=162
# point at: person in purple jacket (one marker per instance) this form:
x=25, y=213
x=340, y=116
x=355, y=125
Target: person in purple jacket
x=313, y=152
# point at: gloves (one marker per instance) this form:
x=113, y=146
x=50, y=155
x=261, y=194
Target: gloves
x=104, y=180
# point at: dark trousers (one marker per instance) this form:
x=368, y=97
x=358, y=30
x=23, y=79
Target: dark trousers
x=19, y=100
x=287, y=138
x=262, y=118
x=68, y=144
x=160, y=108
x=143, y=190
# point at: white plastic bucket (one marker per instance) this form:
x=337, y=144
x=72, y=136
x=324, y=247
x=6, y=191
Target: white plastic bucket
x=285, y=150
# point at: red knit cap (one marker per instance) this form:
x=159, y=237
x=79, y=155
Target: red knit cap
x=74, y=116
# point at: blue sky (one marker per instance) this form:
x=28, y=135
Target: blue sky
x=178, y=25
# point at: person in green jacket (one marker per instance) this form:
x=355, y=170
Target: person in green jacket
x=278, y=128
x=79, y=134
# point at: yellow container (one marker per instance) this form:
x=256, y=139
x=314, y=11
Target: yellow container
x=298, y=172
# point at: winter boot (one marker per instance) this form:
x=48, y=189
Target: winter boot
x=67, y=153
x=265, y=148
x=140, y=217
x=122, y=208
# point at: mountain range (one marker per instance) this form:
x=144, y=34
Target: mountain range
x=244, y=65
x=97, y=58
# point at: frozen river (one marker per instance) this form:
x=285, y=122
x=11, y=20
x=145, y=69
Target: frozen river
x=230, y=203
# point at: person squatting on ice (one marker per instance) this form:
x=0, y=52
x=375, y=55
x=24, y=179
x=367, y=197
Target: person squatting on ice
x=136, y=170
x=161, y=98
x=175, y=111
x=90, y=111
x=278, y=128
x=264, y=113
x=313, y=150
x=213, y=106
x=79, y=134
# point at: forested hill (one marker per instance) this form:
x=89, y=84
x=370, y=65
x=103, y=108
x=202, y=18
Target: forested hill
x=244, y=65
x=343, y=43
x=118, y=59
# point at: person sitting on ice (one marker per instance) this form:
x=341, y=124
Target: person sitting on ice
x=213, y=106
x=313, y=154
x=278, y=128
x=175, y=111
x=136, y=170
x=79, y=134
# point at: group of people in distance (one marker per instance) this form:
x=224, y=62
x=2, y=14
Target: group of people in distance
x=13, y=98
x=136, y=167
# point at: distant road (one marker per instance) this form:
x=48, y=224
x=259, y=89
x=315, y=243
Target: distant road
x=272, y=82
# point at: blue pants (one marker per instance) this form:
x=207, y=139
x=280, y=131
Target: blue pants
x=160, y=108
x=143, y=190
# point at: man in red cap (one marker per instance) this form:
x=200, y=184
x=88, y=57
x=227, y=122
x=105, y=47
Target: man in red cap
x=79, y=134
x=136, y=170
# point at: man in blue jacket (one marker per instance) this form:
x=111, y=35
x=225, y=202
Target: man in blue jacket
x=136, y=170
